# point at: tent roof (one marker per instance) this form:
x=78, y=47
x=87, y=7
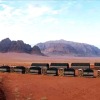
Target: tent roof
x=39, y=64
x=96, y=64
x=59, y=64
x=80, y=64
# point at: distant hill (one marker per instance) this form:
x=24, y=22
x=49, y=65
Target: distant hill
x=50, y=48
x=6, y=45
x=68, y=48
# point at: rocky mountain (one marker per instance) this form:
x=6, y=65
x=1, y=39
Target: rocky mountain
x=49, y=48
x=36, y=50
x=19, y=46
x=68, y=48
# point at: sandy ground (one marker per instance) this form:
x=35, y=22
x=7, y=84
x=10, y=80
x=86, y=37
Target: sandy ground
x=40, y=87
x=13, y=59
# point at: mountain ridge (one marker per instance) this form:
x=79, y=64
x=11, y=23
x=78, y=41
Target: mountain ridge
x=6, y=45
x=50, y=48
x=68, y=48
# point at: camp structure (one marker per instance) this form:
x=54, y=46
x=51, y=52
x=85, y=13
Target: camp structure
x=35, y=70
x=19, y=69
x=69, y=72
x=52, y=71
x=97, y=67
x=41, y=65
x=37, y=66
x=4, y=69
x=80, y=65
x=80, y=72
x=60, y=67
x=88, y=72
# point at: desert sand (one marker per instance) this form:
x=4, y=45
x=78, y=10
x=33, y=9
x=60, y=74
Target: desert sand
x=41, y=87
x=12, y=59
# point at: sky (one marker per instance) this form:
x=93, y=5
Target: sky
x=35, y=21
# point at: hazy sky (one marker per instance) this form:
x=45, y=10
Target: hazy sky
x=35, y=21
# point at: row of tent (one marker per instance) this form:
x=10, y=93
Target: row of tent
x=55, y=69
x=66, y=65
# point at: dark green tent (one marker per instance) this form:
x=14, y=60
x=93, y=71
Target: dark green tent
x=4, y=68
x=59, y=65
x=80, y=65
x=20, y=69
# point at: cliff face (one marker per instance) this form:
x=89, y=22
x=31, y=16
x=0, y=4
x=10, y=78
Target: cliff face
x=5, y=44
x=36, y=50
x=68, y=48
x=19, y=46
